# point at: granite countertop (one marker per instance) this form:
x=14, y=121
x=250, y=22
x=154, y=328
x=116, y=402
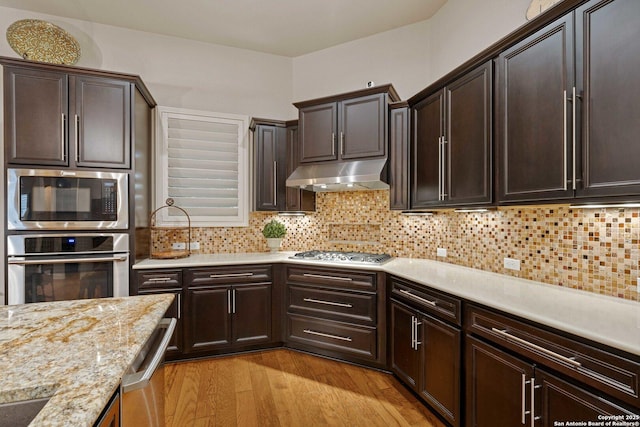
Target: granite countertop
x=608, y=320
x=75, y=352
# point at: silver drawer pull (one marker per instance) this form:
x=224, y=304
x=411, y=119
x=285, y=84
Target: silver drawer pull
x=533, y=346
x=159, y=279
x=319, y=301
x=322, y=334
x=224, y=276
x=319, y=276
x=417, y=298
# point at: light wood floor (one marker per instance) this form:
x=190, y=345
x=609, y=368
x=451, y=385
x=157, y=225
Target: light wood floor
x=287, y=388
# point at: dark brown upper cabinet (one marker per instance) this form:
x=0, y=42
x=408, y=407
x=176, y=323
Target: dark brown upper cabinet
x=399, y=135
x=296, y=199
x=451, y=148
x=54, y=118
x=567, y=115
x=345, y=127
x=275, y=147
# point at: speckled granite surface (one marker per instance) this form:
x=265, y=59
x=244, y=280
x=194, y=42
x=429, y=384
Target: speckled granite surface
x=76, y=352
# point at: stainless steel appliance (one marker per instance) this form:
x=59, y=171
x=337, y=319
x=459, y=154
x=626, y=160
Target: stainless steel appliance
x=343, y=257
x=143, y=384
x=40, y=199
x=56, y=267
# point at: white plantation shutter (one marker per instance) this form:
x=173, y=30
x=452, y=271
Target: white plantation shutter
x=202, y=164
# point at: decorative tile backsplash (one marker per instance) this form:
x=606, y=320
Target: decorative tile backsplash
x=597, y=250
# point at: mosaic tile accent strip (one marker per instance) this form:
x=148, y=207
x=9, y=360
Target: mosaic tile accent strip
x=597, y=250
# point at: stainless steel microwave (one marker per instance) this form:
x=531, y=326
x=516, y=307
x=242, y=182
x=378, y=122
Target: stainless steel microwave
x=42, y=199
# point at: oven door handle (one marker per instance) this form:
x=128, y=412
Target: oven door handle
x=18, y=261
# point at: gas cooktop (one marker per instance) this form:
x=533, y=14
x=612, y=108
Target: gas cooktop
x=343, y=257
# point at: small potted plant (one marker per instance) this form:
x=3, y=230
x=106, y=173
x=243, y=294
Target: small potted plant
x=274, y=231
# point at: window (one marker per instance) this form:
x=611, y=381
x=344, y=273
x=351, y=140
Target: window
x=202, y=164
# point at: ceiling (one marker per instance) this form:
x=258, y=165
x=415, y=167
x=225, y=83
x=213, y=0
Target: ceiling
x=281, y=27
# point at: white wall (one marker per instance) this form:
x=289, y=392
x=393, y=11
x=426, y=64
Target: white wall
x=410, y=57
x=180, y=72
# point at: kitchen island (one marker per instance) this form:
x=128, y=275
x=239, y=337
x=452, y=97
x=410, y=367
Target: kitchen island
x=73, y=352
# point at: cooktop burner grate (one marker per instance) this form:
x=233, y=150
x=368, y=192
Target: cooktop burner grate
x=343, y=257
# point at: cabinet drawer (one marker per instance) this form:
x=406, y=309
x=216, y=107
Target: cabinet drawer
x=329, y=304
x=341, y=337
x=601, y=369
x=159, y=279
x=428, y=300
x=332, y=278
x=228, y=275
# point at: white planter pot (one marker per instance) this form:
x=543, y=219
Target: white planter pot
x=274, y=244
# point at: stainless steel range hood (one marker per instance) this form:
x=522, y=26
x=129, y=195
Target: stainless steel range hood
x=341, y=176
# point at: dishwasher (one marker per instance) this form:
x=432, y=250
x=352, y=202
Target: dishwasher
x=143, y=383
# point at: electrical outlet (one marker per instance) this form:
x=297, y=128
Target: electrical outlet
x=179, y=246
x=512, y=264
x=638, y=282
x=195, y=246
x=442, y=252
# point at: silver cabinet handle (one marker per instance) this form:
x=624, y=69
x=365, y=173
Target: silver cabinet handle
x=417, y=298
x=341, y=143
x=523, y=392
x=564, y=138
x=159, y=279
x=228, y=275
x=533, y=402
x=439, y=168
x=414, y=332
x=574, y=136
x=275, y=183
x=62, y=137
x=66, y=260
x=417, y=323
x=322, y=334
x=140, y=379
x=536, y=347
x=234, y=302
x=336, y=304
x=444, y=181
x=77, y=143
x=179, y=304
x=228, y=301
x=320, y=276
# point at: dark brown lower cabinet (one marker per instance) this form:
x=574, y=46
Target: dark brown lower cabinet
x=425, y=354
x=225, y=316
x=166, y=281
x=506, y=391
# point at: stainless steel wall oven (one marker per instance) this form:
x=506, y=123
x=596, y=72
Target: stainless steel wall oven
x=55, y=267
x=42, y=199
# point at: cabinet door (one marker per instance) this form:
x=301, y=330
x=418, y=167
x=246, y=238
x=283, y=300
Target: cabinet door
x=296, y=199
x=496, y=386
x=101, y=118
x=175, y=310
x=35, y=130
x=318, y=132
x=427, y=124
x=468, y=138
x=208, y=318
x=251, y=314
x=560, y=401
x=440, y=380
x=111, y=416
x=270, y=164
x=535, y=79
x=607, y=64
x=399, y=159
x=363, y=127
x=405, y=359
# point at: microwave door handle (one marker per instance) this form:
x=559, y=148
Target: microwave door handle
x=66, y=260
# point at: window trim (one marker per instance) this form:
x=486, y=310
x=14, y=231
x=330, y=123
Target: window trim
x=161, y=166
